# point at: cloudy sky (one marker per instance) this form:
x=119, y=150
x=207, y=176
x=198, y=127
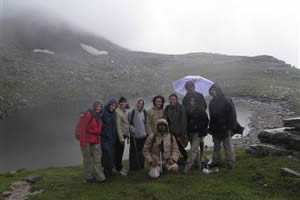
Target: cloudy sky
x=235, y=27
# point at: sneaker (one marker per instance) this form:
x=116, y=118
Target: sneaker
x=213, y=164
x=124, y=172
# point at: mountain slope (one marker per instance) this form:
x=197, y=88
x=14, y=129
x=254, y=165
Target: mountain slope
x=72, y=73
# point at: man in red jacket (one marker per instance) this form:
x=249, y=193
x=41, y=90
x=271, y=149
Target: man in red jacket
x=88, y=131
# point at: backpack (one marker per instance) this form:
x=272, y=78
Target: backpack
x=132, y=116
x=79, y=124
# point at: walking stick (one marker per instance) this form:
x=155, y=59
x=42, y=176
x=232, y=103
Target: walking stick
x=136, y=153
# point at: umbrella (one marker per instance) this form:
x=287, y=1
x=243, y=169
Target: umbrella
x=202, y=85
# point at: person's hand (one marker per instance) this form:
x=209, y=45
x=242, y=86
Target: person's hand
x=122, y=142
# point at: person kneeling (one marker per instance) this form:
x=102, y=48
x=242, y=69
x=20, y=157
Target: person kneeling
x=161, y=150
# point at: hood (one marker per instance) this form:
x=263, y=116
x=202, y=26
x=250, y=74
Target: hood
x=137, y=101
x=162, y=121
x=218, y=89
x=110, y=102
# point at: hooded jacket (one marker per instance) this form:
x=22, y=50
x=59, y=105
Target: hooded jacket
x=222, y=114
x=199, y=98
x=176, y=117
x=122, y=124
x=109, y=133
x=153, y=146
x=153, y=115
x=197, y=121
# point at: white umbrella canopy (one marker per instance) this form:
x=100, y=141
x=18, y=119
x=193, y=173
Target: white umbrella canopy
x=202, y=85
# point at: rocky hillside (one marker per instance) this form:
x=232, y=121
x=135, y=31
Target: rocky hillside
x=44, y=60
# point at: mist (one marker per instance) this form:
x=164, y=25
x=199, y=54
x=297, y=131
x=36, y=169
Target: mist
x=249, y=27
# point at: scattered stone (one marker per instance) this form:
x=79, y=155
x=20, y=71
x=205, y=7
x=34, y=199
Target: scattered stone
x=267, y=149
x=6, y=193
x=293, y=158
x=13, y=172
x=292, y=122
x=280, y=136
x=289, y=172
x=32, y=178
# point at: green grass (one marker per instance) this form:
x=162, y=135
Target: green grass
x=246, y=181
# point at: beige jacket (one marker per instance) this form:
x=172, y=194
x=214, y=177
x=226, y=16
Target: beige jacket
x=153, y=115
x=152, y=145
x=122, y=124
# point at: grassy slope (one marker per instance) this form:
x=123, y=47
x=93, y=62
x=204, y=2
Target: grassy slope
x=245, y=182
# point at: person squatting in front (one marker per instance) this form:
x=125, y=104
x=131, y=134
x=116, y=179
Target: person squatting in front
x=161, y=151
x=88, y=131
x=222, y=119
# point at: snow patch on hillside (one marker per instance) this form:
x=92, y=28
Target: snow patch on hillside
x=93, y=50
x=46, y=51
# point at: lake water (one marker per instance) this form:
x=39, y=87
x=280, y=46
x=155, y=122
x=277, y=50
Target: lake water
x=44, y=136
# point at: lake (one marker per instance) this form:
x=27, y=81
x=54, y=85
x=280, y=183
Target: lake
x=44, y=136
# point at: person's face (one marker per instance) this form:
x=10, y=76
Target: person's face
x=140, y=105
x=162, y=128
x=190, y=87
x=173, y=101
x=213, y=92
x=112, y=107
x=98, y=108
x=158, y=102
x=123, y=104
x=193, y=102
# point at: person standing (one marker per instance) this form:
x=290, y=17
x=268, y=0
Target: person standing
x=109, y=136
x=123, y=134
x=88, y=131
x=176, y=116
x=161, y=150
x=197, y=126
x=137, y=119
x=199, y=101
x=155, y=113
x=222, y=114
x=191, y=93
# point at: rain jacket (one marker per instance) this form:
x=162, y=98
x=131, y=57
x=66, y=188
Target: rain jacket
x=199, y=98
x=197, y=121
x=153, y=147
x=222, y=114
x=122, y=124
x=176, y=117
x=89, y=128
x=153, y=115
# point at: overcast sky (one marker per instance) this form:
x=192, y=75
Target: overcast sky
x=235, y=27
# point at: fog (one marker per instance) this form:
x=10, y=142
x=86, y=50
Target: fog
x=234, y=27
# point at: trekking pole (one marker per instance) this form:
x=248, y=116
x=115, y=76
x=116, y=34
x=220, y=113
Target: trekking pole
x=160, y=157
x=136, y=153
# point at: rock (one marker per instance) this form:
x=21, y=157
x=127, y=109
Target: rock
x=292, y=122
x=267, y=149
x=289, y=172
x=6, y=193
x=32, y=178
x=284, y=137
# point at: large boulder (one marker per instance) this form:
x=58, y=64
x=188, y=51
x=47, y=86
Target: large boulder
x=284, y=137
x=292, y=122
x=266, y=150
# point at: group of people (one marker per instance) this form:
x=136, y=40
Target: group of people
x=158, y=136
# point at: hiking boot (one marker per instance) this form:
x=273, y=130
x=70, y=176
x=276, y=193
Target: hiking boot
x=91, y=180
x=213, y=164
